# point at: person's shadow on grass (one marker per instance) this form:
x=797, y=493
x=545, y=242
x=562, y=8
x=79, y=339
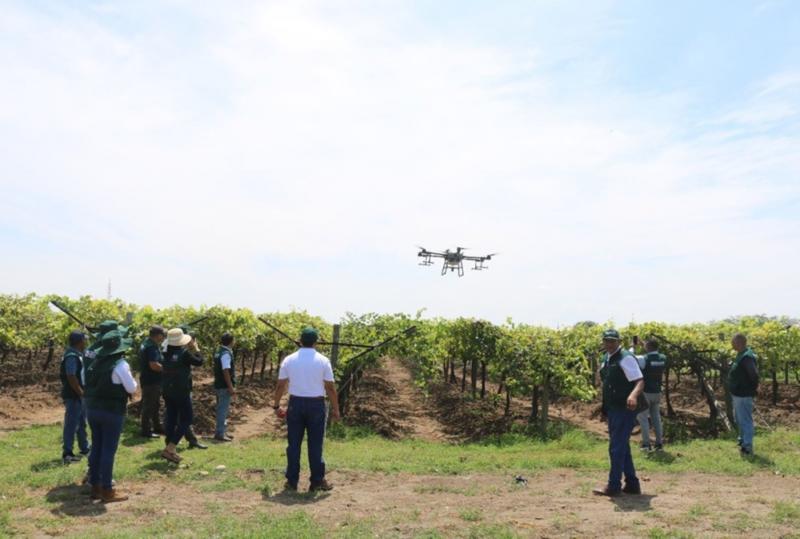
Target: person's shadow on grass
x=46, y=465
x=73, y=500
x=292, y=497
x=633, y=503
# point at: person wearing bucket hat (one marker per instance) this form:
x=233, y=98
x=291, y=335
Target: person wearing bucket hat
x=109, y=385
x=308, y=376
x=72, y=383
x=176, y=387
x=104, y=327
x=622, y=384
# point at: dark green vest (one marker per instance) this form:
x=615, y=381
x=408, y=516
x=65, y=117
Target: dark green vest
x=654, y=366
x=101, y=392
x=176, y=378
x=66, y=390
x=738, y=381
x=148, y=376
x=616, y=387
x=219, y=379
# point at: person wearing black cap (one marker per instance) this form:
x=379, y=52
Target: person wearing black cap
x=224, y=380
x=71, y=372
x=150, y=359
x=623, y=382
x=308, y=376
x=109, y=386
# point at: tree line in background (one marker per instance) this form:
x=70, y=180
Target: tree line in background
x=483, y=360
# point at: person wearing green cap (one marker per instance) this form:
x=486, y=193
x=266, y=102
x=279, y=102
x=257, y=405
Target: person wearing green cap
x=308, y=376
x=109, y=385
x=623, y=382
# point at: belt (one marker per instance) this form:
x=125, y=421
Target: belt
x=306, y=398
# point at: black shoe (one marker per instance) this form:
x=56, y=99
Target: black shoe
x=659, y=447
x=632, y=488
x=644, y=447
x=606, y=491
x=290, y=487
x=69, y=459
x=197, y=445
x=322, y=485
x=85, y=452
x=744, y=451
x=150, y=435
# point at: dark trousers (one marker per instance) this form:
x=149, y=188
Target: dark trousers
x=74, y=423
x=106, y=430
x=305, y=414
x=179, y=417
x=151, y=409
x=620, y=426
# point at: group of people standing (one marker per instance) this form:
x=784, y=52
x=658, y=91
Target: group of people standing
x=97, y=384
x=632, y=391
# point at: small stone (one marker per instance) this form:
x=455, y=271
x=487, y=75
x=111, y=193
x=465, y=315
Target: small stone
x=203, y=472
x=220, y=468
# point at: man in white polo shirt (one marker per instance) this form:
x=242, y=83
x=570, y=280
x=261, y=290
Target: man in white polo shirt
x=308, y=376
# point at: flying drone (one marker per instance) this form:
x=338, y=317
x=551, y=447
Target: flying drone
x=454, y=260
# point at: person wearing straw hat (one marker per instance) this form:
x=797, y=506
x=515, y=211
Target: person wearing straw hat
x=191, y=437
x=623, y=382
x=109, y=385
x=176, y=386
x=308, y=376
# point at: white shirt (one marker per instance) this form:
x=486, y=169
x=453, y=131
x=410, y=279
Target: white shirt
x=225, y=359
x=630, y=366
x=122, y=375
x=307, y=371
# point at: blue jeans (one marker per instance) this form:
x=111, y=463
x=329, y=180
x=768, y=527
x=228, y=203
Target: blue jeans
x=652, y=413
x=620, y=426
x=178, y=418
x=106, y=430
x=743, y=414
x=305, y=414
x=223, y=403
x=74, y=422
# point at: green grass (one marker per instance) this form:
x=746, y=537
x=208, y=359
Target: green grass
x=30, y=465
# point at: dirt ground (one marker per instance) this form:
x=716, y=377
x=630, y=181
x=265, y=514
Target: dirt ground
x=552, y=504
x=42, y=405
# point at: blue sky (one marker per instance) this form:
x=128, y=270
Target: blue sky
x=630, y=160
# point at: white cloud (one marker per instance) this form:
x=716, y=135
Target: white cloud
x=290, y=155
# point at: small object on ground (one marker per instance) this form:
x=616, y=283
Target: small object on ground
x=203, y=472
x=111, y=495
x=322, y=485
x=606, y=491
x=220, y=468
x=521, y=480
x=197, y=445
x=632, y=489
x=150, y=435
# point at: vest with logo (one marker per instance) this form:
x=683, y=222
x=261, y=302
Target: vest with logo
x=176, y=378
x=219, y=378
x=147, y=375
x=654, y=366
x=616, y=387
x=101, y=392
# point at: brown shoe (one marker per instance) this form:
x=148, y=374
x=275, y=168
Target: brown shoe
x=97, y=492
x=606, y=491
x=322, y=485
x=111, y=496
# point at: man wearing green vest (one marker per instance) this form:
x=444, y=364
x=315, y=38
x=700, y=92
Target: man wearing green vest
x=653, y=366
x=224, y=381
x=109, y=385
x=622, y=384
x=71, y=372
x=150, y=359
x=176, y=386
x=743, y=385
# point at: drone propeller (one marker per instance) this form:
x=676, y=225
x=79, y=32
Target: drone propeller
x=490, y=255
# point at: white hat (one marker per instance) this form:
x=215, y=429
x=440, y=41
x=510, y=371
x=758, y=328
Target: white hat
x=176, y=337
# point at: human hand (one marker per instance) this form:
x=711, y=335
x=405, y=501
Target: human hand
x=631, y=402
